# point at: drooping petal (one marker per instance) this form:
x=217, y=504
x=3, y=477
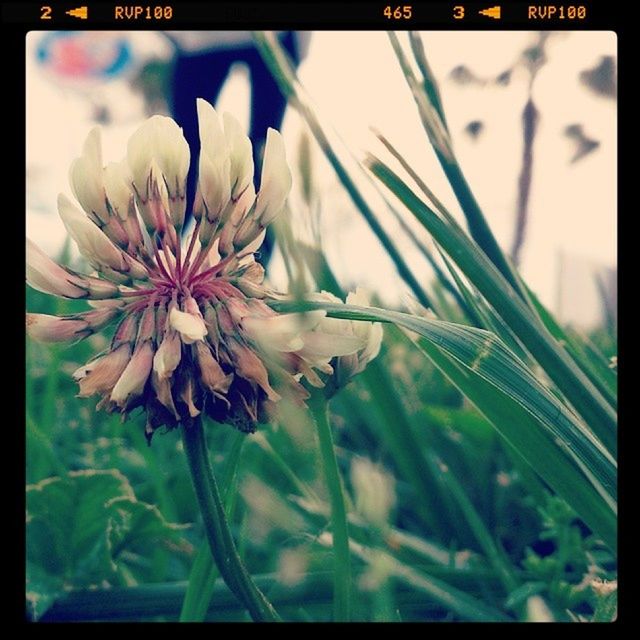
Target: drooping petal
x=168, y=355
x=45, y=328
x=251, y=368
x=134, y=377
x=101, y=374
x=190, y=327
x=92, y=242
x=211, y=373
x=45, y=275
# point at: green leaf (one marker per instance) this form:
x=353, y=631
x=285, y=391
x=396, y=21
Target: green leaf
x=132, y=524
x=77, y=525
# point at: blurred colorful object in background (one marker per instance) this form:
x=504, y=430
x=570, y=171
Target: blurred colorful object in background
x=84, y=58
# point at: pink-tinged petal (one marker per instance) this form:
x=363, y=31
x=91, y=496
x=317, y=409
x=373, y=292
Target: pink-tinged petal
x=101, y=374
x=251, y=367
x=187, y=396
x=131, y=383
x=191, y=328
x=117, y=181
x=162, y=388
x=211, y=373
x=92, y=242
x=85, y=176
x=275, y=181
x=45, y=275
x=168, y=355
x=45, y=328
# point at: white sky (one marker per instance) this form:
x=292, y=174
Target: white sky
x=355, y=80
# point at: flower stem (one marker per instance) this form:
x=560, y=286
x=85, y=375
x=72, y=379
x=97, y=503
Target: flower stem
x=223, y=548
x=341, y=556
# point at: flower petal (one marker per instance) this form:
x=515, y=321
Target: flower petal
x=134, y=377
x=85, y=176
x=240, y=153
x=191, y=328
x=275, y=181
x=92, y=242
x=45, y=328
x=101, y=374
x=43, y=274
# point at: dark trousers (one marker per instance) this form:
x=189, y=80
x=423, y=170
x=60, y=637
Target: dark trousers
x=202, y=76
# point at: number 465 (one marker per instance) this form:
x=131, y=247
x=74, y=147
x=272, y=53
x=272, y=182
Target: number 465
x=399, y=13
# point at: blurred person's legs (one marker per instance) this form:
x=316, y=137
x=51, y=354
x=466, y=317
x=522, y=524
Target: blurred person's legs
x=202, y=76
x=196, y=76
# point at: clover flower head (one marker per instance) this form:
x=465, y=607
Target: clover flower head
x=193, y=333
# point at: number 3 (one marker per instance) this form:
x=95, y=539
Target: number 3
x=458, y=12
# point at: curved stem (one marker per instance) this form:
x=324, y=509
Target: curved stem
x=341, y=556
x=221, y=542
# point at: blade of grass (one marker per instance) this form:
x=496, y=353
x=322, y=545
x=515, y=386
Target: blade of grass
x=276, y=60
x=441, y=142
x=567, y=376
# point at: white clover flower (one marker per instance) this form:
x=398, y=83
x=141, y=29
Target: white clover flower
x=338, y=347
x=194, y=332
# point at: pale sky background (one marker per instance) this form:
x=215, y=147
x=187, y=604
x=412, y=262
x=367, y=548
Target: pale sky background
x=354, y=79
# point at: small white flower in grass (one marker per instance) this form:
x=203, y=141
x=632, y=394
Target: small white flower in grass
x=374, y=490
x=354, y=343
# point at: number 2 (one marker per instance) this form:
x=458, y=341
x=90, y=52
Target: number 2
x=46, y=13
x=458, y=12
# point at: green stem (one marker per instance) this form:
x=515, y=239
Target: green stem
x=223, y=548
x=342, y=559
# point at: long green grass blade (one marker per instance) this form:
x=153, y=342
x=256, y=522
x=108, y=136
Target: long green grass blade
x=442, y=145
x=479, y=270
